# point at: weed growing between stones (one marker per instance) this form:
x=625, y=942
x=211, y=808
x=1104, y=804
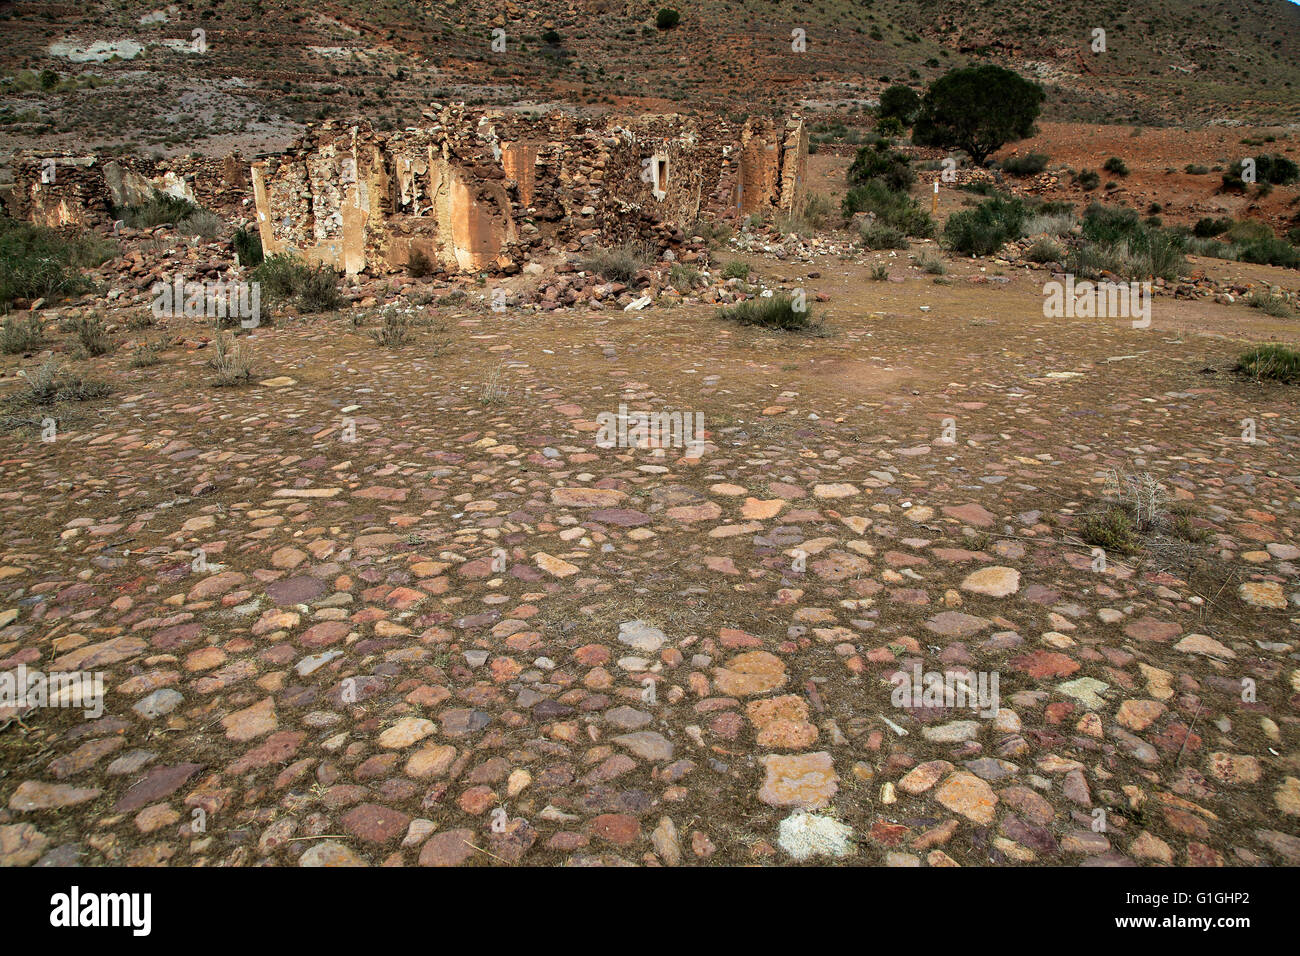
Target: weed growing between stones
x=232, y=362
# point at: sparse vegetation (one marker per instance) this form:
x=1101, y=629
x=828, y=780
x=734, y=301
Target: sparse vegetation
x=1273, y=363
x=51, y=384
x=932, y=264
x=41, y=263
x=986, y=228
x=21, y=334
x=418, y=265
x=248, y=247
x=879, y=162
x=1269, y=304
x=813, y=214
x=146, y=355
x=231, y=361
x=92, y=335
x=394, y=330
x=1115, y=166
x=201, y=223
x=161, y=209
x=1045, y=250
x=310, y=288
x=1031, y=164
x=877, y=235
x=769, y=312
x=618, y=264
x=894, y=209
x=683, y=277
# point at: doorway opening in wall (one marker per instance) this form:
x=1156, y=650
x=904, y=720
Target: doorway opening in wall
x=661, y=177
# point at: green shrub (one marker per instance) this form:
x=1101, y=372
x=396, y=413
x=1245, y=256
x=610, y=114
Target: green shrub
x=1213, y=248
x=1088, y=179
x=320, y=291
x=891, y=127
x=901, y=103
x=284, y=278
x=1248, y=230
x=19, y=335
x=877, y=235
x=418, y=265
x=1115, y=166
x=37, y=262
x=161, y=209
x=248, y=247
x=1269, y=304
x=1208, y=227
x=1113, y=531
x=891, y=207
x=619, y=264
x=774, y=312
x=666, y=19
x=1275, y=363
x=986, y=228
x=1045, y=250
x=736, y=270
x=683, y=277
x=1111, y=223
x=932, y=264
x=201, y=223
x=1269, y=252
x=1270, y=170
x=882, y=163
x=93, y=336
x=50, y=384
x=1031, y=164
x=879, y=272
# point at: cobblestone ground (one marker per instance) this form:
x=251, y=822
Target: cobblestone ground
x=470, y=636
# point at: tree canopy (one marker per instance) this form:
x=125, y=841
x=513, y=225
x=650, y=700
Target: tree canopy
x=978, y=109
x=900, y=101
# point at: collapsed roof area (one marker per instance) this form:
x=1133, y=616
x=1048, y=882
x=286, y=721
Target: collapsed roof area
x=490, y=191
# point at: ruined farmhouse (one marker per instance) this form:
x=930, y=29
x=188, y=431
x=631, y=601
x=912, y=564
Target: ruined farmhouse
x=472, y=190
x=478, y=190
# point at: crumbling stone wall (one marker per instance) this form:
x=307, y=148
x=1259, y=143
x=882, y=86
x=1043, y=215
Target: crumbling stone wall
x=773, y=165
x=67, y=190
x=58, y=190
x=489, y=190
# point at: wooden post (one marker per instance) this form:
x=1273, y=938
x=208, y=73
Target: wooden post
x=934, y=201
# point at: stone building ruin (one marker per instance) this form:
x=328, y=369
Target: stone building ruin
x=489, y=191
